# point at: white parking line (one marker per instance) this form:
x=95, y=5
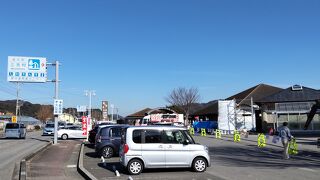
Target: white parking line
x=308, y=169
x=71, y=166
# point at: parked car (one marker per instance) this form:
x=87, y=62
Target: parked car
x=161, y=147
x=71, y=132
x=15, y=130
x=48, y=129
x=93, y=132
x=108, y=140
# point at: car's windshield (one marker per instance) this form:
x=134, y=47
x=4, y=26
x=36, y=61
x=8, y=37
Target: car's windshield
x=49, y=125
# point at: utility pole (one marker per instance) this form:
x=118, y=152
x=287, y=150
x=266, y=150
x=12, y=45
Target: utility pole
x=17, y=104
x=56, y=96
x=117, y=113
x=252, y=114
x=89, y=93
x=112, y=107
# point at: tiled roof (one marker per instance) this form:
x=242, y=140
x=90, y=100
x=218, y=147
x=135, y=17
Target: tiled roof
x=289, y=95
x=257, y=93
x=139, y=113
x=210, y=108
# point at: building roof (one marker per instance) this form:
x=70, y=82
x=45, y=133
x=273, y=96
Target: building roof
x=210, y=108
x=290, y=95
x=257, y=93
x=139, y=114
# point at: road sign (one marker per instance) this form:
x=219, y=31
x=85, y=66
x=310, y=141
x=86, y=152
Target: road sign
x=27, y=69
x=58, y=107
x=14, y=119
x=81, y=108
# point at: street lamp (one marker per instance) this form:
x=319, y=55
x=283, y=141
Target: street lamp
x=89, y=93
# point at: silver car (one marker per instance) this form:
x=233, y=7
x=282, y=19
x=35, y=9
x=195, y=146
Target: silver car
x=161, y=147
x=15, y=130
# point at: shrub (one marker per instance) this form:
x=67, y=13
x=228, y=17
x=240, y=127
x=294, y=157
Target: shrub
x=37, y=127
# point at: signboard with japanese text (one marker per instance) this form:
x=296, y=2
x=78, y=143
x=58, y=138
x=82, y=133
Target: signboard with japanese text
x=105, y=110
x=81, y=108
x=84, y=125
x=27, y=69
x=14, y=119
x=58, y=107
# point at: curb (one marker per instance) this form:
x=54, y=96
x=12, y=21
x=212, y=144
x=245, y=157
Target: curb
x=85, y=173
x=23, y=164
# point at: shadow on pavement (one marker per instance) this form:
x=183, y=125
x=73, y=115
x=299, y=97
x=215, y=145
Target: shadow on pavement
x=253, y=156
x=111, y=166
x=92, y=154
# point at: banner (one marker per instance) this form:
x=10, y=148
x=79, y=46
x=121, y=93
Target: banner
x=105, y=110
x=84, y=125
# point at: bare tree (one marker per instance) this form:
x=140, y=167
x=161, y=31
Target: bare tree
x=184, y=98
x=45, y=112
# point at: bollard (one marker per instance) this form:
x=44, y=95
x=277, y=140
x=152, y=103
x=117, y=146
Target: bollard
x=203, y=132
x=236, y=136
x=191, y=131
x=261, y=140
x=293, y=147
x=218, y=134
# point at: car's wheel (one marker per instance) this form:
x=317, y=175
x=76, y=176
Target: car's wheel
x=107, y=152
x=135, y=167
x=199, y=164
x=64, y=136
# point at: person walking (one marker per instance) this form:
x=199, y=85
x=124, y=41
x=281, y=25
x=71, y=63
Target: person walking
x=285, y=135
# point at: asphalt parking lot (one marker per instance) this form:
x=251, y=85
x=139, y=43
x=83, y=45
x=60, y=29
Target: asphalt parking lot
x=107, y=170
x=230, y=160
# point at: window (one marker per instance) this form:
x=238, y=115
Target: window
x=152, y=136
x=104, y=132
x=177, y=137
x=115, y=132
x=12, y=126
x=136, y=136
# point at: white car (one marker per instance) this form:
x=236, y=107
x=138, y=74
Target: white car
x=71, y=132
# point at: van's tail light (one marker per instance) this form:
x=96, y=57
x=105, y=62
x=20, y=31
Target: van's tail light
x=125, y=148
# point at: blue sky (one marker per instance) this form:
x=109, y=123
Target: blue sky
x=133, y=53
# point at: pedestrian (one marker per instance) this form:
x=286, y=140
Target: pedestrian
x=285, y=135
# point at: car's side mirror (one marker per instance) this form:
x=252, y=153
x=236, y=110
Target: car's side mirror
x=185, y=143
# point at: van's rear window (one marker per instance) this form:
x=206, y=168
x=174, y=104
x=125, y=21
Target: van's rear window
x=12, y=126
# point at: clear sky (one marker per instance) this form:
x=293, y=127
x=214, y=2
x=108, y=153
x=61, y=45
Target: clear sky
x=134, y=52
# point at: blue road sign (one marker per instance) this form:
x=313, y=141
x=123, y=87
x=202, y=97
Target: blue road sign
x=34, y=64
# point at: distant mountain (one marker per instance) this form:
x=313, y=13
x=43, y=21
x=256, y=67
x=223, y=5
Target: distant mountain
x=26, y=108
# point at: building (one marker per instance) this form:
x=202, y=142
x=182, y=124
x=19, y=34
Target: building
x=291, y=105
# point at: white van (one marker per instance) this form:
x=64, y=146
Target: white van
x=161, y=147
x=15, y=130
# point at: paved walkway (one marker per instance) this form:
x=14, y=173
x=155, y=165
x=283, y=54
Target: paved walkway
x=58, y=162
